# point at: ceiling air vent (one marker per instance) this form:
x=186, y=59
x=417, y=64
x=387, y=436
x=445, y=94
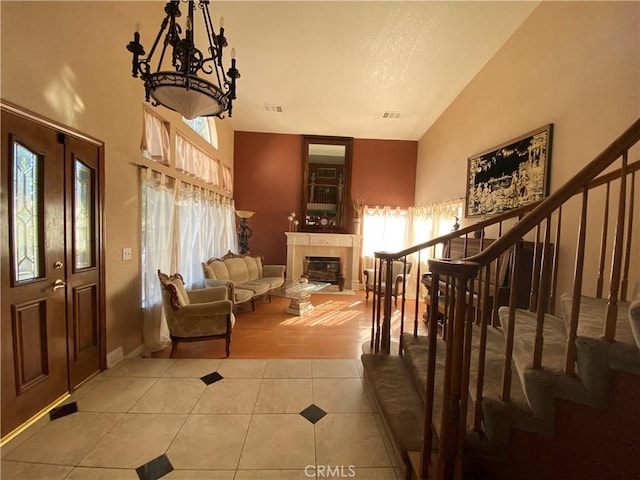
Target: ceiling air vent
x=273, y=108
x=391, y=115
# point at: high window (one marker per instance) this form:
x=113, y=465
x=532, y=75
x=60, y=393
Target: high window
x=205, y=128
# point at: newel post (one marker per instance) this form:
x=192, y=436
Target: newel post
x=454, y=394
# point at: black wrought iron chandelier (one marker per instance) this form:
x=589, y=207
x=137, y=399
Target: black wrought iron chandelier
x=183, y=90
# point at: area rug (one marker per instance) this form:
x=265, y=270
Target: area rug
x=334, y=290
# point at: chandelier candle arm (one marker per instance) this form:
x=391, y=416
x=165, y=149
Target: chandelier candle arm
x=183, y=86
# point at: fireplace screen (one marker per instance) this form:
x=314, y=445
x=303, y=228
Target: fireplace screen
x=322, y=269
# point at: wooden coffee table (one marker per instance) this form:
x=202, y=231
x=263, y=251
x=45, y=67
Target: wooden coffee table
x=299, y=294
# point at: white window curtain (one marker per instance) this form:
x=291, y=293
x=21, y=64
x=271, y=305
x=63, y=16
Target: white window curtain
x=158, y=206
x=204, y=226
x=227, y=181
x=383, y=229
x=434, y=220
x=195, y=162
x=427, y=222
x=191, y=239
x=181, y=228
x=155, y=138
x=228, y=238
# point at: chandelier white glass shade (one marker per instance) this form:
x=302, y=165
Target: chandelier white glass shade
x=177, y=85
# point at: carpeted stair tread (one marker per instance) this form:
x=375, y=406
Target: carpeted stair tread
x=596, y=357
x=498, y=416
x=494, y=365
x=554, y=335
x=399, y=401
x=415, y=356
x=544, y=385
x=592, y=318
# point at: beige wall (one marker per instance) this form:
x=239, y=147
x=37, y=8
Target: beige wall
x=68, y=62
x=573, y=64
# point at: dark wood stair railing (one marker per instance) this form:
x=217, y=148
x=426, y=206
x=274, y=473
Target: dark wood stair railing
x=469, y=277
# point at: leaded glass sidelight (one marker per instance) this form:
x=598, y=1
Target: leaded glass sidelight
x=83, y=219
x=26, y=212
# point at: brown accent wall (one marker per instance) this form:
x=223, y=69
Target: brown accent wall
x=267, y=181
x=384, y=171
x=268, y=176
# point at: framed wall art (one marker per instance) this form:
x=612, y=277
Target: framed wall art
x=326, y=172
x=510, y=175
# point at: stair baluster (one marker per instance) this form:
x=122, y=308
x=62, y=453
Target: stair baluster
x=556, y=260
x=535, y=272
x=603, y=242
x=541, y=294
x=508, y=349
x=570, y=357
x=614, y=284
x=482, y=352
x=625, y=276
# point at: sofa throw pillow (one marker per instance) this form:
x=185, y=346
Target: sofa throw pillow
x=181, y=293
x=175, y=285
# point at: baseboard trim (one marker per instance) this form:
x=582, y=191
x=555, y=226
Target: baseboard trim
x=117, y=355
x=114, y=357
x=135, y=353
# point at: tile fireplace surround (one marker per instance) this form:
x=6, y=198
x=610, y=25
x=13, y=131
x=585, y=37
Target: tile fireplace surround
x=345, y=246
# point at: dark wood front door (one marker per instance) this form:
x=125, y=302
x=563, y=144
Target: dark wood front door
x=82, y=162
x=50, y=266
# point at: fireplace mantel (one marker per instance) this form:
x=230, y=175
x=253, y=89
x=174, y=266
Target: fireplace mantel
x=305, y=244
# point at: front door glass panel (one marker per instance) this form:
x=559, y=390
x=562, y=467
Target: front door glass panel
x=26, y=213
x=83, y=219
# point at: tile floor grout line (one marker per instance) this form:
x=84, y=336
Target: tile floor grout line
x=121, y=414
x=315, y=440
x=246, y=434
x=293, y=375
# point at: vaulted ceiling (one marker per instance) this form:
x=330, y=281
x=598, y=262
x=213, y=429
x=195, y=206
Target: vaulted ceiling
x=336, y=67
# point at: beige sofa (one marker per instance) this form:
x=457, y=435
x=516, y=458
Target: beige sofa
x=244, y=275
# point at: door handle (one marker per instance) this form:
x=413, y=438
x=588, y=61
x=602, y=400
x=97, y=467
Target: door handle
x=58, y=284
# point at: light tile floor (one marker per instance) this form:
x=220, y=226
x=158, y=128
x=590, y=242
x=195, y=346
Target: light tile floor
x=246, y=426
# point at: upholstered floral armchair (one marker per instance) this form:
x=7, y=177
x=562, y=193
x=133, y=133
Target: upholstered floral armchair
x=398, y=275
x=195, y=315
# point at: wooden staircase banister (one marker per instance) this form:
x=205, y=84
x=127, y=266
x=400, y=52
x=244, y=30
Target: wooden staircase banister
x=459, y=298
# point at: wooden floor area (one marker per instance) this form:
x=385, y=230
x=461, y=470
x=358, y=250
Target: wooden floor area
x=336, y=328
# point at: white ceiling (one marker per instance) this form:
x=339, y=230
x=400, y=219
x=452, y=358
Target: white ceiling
x=336, y=66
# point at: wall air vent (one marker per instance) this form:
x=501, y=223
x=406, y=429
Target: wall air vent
x=391, y=115
x=273, y=108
